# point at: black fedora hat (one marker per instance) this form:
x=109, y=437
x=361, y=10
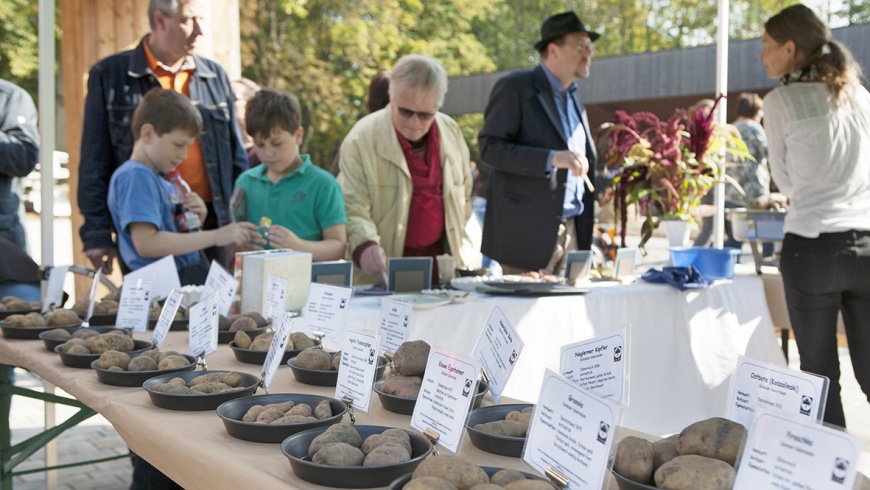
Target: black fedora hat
x=559, y=25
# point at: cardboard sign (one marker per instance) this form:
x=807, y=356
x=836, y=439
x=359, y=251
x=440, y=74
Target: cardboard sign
x=276, y=348
x=167, y=316
x=203, y=328
x=162, y=274
x=134, y=305
x=571, y=431
x=758, y=384
x=395, y=321
x=273, y=300
x=784, y=451
x=497, y=349
x=326, y=312
x=359, y=361
x=222, y=282
x=447, y=393
x=598, y=365
x=409, y=274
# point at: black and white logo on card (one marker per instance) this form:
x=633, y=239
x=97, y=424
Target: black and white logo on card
x=467, y=389
x=839, y=472
x=603, y=431
x=617, y=353
x=806, y=404
x=371, y=356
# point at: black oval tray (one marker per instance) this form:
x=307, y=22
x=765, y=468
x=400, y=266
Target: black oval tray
x=5, y=313
x=258, y=357
x=137, y=378
x=225, y=336
x=103, y=320
x=405, y=406
x=175, y=326
x=30, y=333
x=399, y=483
x=317, y=377
x=231, y=413
x=503, y=445
x=295, y=448
x=84, y=361
x=197, y=402
x=50, y=344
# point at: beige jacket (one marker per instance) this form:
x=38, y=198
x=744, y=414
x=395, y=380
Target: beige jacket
x=377, y=186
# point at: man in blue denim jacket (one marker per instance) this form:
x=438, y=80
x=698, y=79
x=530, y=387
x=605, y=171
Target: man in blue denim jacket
x=117, y=83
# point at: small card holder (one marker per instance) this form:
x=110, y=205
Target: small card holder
x=409, y=274
x=577, y=266
x=335, y=273
x=624, y=265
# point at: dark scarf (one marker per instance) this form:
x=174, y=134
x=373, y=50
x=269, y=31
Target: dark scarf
x=806, y=74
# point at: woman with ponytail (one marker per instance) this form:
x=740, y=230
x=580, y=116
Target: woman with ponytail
x=818, y=130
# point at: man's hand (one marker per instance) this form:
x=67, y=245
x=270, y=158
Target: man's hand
x=575, y=163
x=102, y=258
x=281, y=237
x=373, y=261
x=235, y=234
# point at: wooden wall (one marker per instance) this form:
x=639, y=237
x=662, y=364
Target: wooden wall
x=94, y=29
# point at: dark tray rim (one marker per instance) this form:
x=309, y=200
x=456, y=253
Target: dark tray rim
x=274, y=433
x=83, y=361
x=495, y=444
x=208, y=401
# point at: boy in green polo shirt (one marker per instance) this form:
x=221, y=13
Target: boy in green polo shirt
x=303, y=202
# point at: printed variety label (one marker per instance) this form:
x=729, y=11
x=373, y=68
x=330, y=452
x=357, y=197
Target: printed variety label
x=203, y=328
x=273, y=300
x=598, y=365
x=222, y=282
x=395, y=321
x=326, y=311
x=167, y=316
x=276, y=349
x=134, y=305
x=356, y=374
x=497, y=349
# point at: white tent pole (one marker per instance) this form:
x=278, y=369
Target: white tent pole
x=46, y=128
x=721, y=115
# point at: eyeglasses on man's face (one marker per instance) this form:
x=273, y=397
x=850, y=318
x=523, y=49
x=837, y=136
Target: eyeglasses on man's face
x=408, y=114
x=582, y=47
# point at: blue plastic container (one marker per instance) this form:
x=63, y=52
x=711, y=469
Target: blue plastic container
x=712, y=263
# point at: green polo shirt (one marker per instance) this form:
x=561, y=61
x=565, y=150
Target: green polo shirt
x=305, y=201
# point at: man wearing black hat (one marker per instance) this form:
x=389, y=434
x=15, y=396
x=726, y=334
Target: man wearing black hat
x=536, y=140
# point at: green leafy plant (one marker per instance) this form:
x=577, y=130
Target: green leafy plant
x=664, y=167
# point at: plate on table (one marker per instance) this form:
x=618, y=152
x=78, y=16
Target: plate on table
x=51, y=343
x=83, y=361
x=137, y=378
x=258, y=357
x=421, y=301
x=469, y=283
x=31, y=333
x=194, y=402
x=233, y=411
x=491, y=443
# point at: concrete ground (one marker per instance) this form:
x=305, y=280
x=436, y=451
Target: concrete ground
x=95, y=438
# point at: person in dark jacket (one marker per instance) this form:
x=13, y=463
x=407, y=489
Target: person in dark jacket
x=19, y=151
x=164, y=58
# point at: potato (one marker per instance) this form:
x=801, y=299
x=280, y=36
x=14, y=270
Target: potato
x=223, y=323
x=397, y=433
x=257, y=317
x=335, y=433
x=174, y=389
x=110, y=341
x=262, y=341
x=242, y=340
x=269, y=415
x=153, y=354
x=163, y=355
x=523, y=418
x=462, y=473
x=316, y=359
x=692, y=472
x=634, y=459
x=243, y=323
x=283, y=406
x=114, y=358
x=302, y=341
x=664, y=450
x=85, y=333
x=389, y=453
x=252, y=413
x=411, y=357
x=212, y=387
x=37, y=320
x=294, y=419
x=229, y=378
x=429, y=483
x=300, y=409
x=530, y=485
x=142, y=363
x=172, y=362
x=503, y=477
x=717, y=438
x=404, y=386
x=507, y=428
x=58, y=334
x=66, y=346
x=323, y=410
x=17, y=304
x=336, y=360
x=339, y=454
x=486, y=486
x=78, y=349
x=374, y=441
x=16, y=321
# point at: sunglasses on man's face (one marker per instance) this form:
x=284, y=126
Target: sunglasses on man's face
x=408, y=114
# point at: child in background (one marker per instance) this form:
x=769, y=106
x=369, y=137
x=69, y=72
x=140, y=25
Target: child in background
x=302, y=204
x=164, y=125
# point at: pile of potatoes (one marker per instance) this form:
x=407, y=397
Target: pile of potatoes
x=341, y=445
x=409, y=364
x=106, y=306
x=54, y=318
x=150, y=360
x=287, y=413
x=246, y=321
x=297, y=341
x=98, y=343
x=12, y=303
x=447, y=472
x=206, y=384
x=703, y=455
x=515, y=424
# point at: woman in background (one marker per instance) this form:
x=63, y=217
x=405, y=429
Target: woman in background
x=818, y=130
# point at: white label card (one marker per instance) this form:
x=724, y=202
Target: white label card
x=359, y=361
x=92, y=294
x=276, y=349
x=757, y=384
x=162, y=274
x=598, y=365
x=571, y=431
x=447, y=393
x=273, y=300
x=167, y=316
x=326, y=311
x=54, y=288
x=788, y=452
x=497, y=349
x=220, y=280
x=395, y=321
x=134, y=305
x=203, y=328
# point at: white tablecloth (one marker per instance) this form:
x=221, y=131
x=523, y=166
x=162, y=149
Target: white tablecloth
x=684, y=345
